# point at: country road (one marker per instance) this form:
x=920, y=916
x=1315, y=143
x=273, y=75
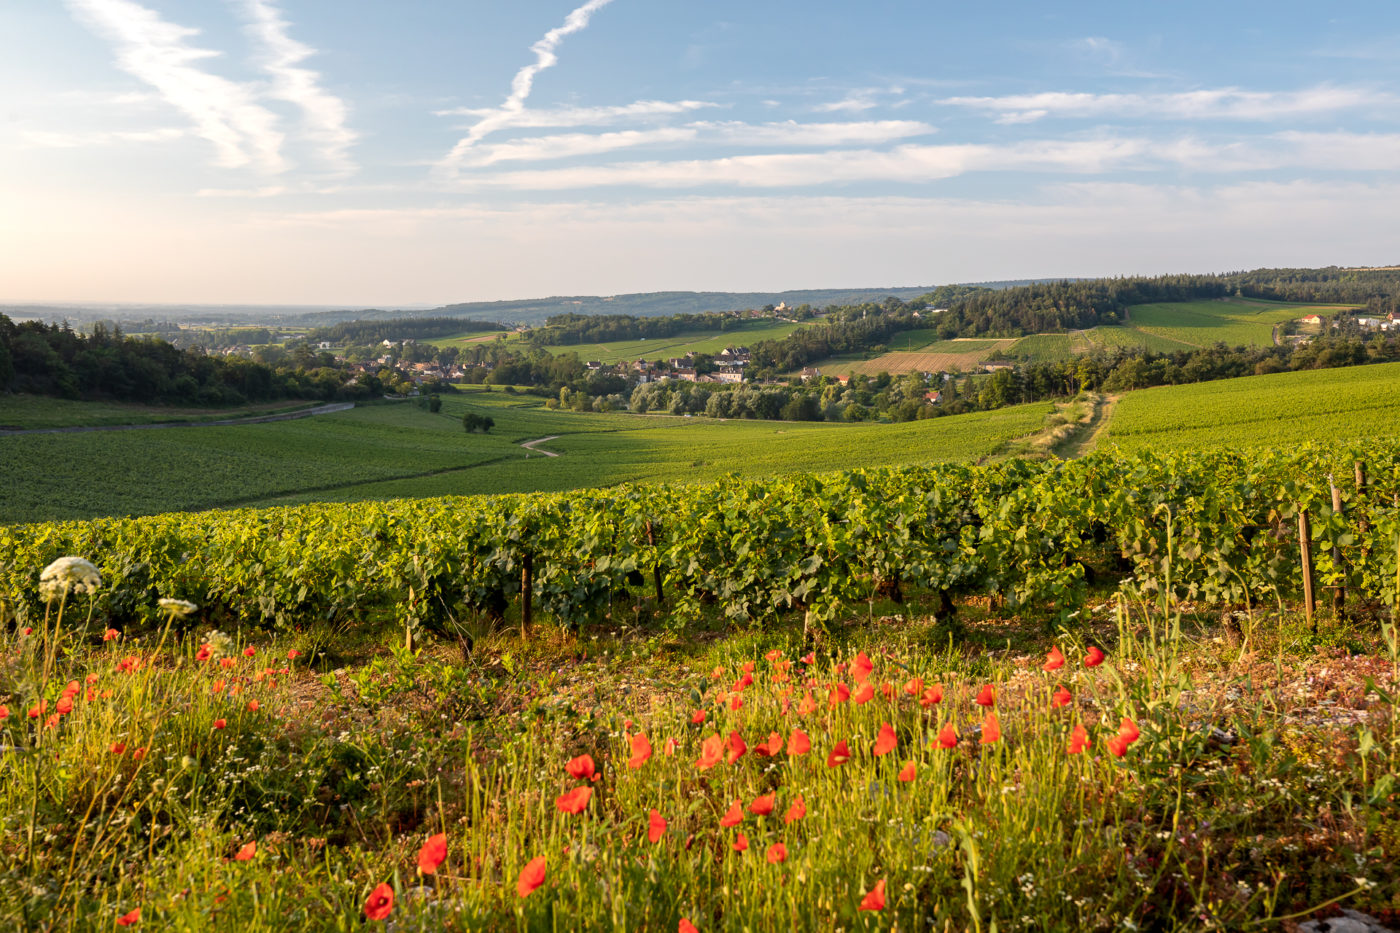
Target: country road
x=256, y=419
x=530, y=445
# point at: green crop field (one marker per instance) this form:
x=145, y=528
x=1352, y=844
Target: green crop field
x=468, y=339
x=1048, y=348
x=36, y=412
x=1114, y=336
x=659, y=348
x=397, y=450
x=1235, y=322
x=1283, y=409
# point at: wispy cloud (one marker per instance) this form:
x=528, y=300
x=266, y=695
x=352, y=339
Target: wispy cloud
x=859, y=100
x=1209, y=104
x=524, y=80
x=281, y=57
x=786, y=134
x=158, y=52
x=44, y=139
x=584, y=116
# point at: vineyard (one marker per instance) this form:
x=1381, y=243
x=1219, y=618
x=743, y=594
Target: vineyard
x=1218, y=527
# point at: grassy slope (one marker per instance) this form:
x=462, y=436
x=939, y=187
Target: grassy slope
x=400, y=450
x=26, y=412
x=1285, y=408
x=1203, y=323
x=708, y=341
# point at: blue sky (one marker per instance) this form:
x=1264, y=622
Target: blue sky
x=415, y=153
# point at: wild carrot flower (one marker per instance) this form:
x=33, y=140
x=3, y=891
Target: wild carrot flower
x=763, y=804
x=178, y=608
x=948, y=737
x=861, y=668
x=131, y=918
x=777, y=853
x=1054, y=660
x=1062, y=697
x=656, y=826
x=380, y=903
x=737, y=748
x=575, y=800
x=865, y=694
x=734, y=816
x=797, y=811
x=711, y=753
x=246, y=853
x=68, y=575
x=839, y=755
x=741, y=844
x=799, y=743
x=531, y=876
x=1078, y=739
x=987, y=696
x=908, y=772
x=581, y=768
x=432, y=854
x=931, y=696
x=1094, y=657
x=886, y=741
x=875, y=900
x=641, y=751
x=991, y=729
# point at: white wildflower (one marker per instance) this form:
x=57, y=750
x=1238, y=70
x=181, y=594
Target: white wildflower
x=178, y=608
x=68, y=575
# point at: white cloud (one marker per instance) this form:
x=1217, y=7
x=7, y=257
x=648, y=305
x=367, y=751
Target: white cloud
x=789, y=133
x=324, y=114
x=1211, y=104
x=859, y=100
x=585, y=116
x=43, y=139
x=524, y=81
x=224, y=112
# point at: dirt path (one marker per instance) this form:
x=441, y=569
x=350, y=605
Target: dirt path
x=1088, y=435
x=256, y=419
x=530, y=445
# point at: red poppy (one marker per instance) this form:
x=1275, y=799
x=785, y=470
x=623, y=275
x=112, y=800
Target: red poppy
x=38, y=709
x=139, y=753
x=797, y=811
x=988, y=696
x=1094, y=658
x=771, y=747
x=809, y=658
x=1129, y=730
x=582, y=769
x=773, y=655
x=670, y=746
x=741, y=844
x=216, y=686
x=840, y=693
x=742, y=682
x=839, y=755
x=861, y=668
x=697, y=717
x=91, y=678
x=737, y=703
x=711, y=753
x=875, y=900
x=991, y=729
x=380, y=903
x=1062, y=697
x=249, y=651
x=656, y=826
x=686, y=927
x=908, y=772
x=865, y=694
x=748, y=666
x=887, y=691
x=64, y=706
x=641, y=751
x=932, y=696
x=886, y=741
x=204, y=653
x=293, y=654
x=247, y=852
x=777, y=853
x=717, y=673
x=110, y=634
x=4, y=712
x=432, y=854
x=947, y=737
x=1054, y=660
x=734, y=816
x=737, y=747
x=915, y=686
x=226, y=663
x=531, y=876
x=808, y=705
x=220, y=723
x=798, y=743
x=575, y=800
x=118, y=748
x=763, y=805
x=72, y=689
x=1078, y=739
x=1118, y=745
x=130, y=919
x=51, y=722
x=252, y=706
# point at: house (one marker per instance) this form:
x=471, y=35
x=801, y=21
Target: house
x=810, y=373
x=1312, y=319
x=933, y=398
x=996, y=367
x=1368, y=323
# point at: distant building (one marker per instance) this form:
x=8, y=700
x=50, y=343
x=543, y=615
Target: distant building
x=1312, y=319
x=810, y=373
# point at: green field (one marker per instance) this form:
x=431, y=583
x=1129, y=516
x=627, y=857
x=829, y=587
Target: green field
x=660, y=348
x=1283, y=409
x=387, y=451
x=32, y=412
x=1235, y=322
x=468, y=339
x=1115, y=336
x=1048, y=348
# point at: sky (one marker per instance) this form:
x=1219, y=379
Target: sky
x=362, y=153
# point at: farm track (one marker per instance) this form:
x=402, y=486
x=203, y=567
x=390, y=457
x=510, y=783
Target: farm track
x=225, y=422
x=1087, y=436
x=530, y=445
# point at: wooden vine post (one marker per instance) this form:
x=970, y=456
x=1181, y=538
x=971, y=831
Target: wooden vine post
x=1305, y=546
x=527, y=588
x=1339, y=592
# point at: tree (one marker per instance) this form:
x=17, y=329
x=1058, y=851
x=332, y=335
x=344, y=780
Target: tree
x=471, y=421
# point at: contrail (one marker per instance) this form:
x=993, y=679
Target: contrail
x=324, y=113
x=524, y=80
